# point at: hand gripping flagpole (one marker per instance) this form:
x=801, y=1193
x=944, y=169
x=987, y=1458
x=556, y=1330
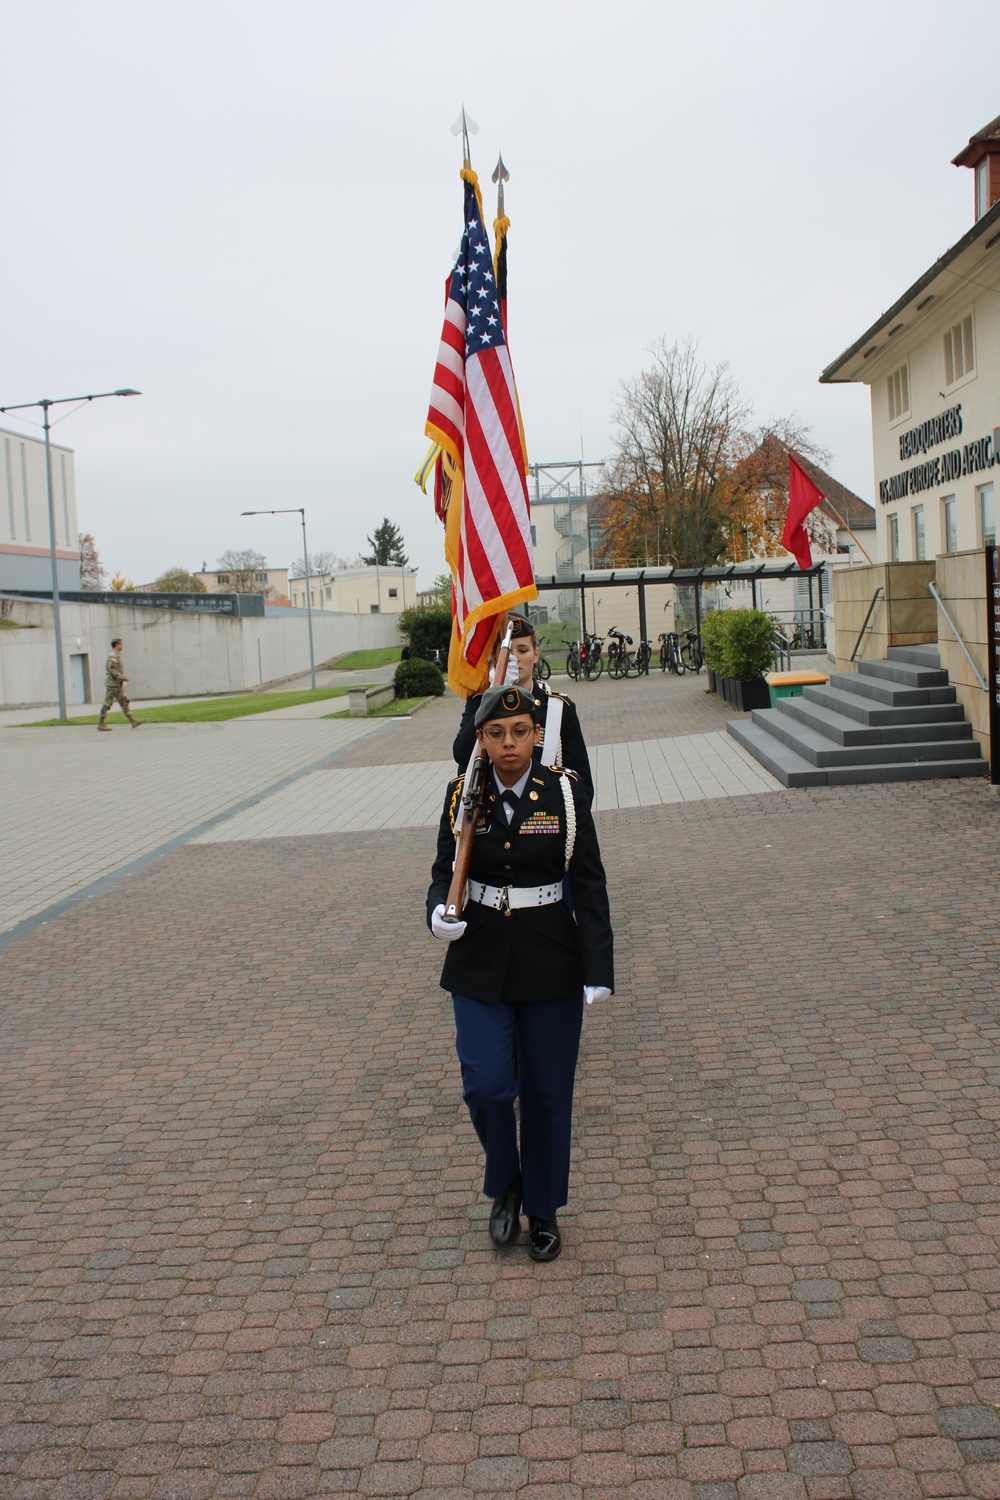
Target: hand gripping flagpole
x=472, y=802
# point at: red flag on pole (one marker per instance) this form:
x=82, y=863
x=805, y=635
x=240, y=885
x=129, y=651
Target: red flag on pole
x=803, y=497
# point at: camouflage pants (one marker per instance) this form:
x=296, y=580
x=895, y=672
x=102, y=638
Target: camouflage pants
x=110, y=696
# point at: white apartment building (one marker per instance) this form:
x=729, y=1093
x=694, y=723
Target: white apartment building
x=932, y=363
x=25, y=561
x=364, y=590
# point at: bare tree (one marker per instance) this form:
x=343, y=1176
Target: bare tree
x=92, y=575
x=319, y=562
x=243, y=565
x=677, y=430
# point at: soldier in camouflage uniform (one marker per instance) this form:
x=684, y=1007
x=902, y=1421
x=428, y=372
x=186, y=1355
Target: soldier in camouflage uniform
x=114, y=682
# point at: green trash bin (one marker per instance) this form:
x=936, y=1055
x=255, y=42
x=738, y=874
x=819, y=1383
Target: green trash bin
x=790, y=684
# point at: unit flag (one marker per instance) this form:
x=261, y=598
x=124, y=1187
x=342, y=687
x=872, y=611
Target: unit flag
x=803, y=497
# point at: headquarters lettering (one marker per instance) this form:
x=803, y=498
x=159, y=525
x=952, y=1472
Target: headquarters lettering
x=971, y=458
x=937, y=430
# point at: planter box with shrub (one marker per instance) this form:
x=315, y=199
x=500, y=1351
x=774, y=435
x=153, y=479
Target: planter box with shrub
x=738, y=646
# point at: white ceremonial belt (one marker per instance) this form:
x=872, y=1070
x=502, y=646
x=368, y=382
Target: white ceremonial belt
x=514, y=897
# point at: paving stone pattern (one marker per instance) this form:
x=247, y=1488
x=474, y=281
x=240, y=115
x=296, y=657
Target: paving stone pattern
x=244, y=1252
x=644, y=708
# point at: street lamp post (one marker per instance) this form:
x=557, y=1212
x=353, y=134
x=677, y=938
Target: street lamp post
x=297, y=510
x=45, y=403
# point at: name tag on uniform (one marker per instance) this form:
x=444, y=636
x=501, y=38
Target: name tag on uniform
x=540, y=822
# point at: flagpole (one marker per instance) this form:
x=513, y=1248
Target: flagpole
x=850, y=533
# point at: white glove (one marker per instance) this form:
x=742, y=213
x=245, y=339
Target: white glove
x=513, y=672
x=448, y=932
x=592, y=992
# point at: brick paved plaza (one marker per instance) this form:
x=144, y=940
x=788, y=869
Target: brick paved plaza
x=244, y=1252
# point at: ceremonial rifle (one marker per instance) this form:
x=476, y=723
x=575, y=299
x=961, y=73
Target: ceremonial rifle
x=472, y=801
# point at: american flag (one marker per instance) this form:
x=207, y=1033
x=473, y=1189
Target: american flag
x=473, y=415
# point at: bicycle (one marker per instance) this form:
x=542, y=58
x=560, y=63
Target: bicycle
x=572, y=660
x=638, y=661
x=670, y=652
x=618, y=653
x=692, y=659
x=591, y=658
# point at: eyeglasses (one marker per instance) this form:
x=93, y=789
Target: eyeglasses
x=495, y=733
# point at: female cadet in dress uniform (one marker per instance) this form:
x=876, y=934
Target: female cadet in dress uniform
x=520, y=966
x=561, y=741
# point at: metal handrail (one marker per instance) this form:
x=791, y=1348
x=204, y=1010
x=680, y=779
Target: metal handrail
x=871, y=610
x=951, y=623
x=783, y=650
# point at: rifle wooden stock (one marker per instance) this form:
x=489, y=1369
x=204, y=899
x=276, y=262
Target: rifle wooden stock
x=472, y=803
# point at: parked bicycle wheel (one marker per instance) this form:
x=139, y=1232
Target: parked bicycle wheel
x=573, y=666
x=617, y=664
x=632, y=664
x=664, y=655
x=674, y=656
x=543, y=671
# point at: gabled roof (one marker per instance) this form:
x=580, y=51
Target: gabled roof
x=960, y=261
x=773, y=457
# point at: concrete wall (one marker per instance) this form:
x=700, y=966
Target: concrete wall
x=905, y=615
x=961, y=582
x=171, y=654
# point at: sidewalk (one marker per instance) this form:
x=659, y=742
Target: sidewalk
x=245, y=1253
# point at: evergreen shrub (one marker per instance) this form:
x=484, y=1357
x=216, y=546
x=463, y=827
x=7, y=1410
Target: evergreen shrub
x=418, y=678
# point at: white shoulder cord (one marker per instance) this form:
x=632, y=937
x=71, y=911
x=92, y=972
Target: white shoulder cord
x=552, y=744
x=570, y=807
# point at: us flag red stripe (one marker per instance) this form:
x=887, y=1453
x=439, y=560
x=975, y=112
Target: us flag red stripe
x=473, y=415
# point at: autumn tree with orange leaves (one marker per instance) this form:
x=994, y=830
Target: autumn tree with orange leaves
x=692, y=481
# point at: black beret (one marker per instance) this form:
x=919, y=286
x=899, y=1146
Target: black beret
x=521, y=627
x=504, y=703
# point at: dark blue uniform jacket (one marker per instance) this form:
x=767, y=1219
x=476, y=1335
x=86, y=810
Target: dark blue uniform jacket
x=541, y=953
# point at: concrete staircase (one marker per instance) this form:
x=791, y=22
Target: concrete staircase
x=894, y=720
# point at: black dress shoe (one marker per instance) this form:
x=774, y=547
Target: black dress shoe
x=544, y=1242
x=505, y=1222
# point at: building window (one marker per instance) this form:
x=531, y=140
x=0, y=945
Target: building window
x=394, y=593
x=959, y=351
x=329, y=593
x=987, y=516
x=894, y=538
x=898, y=391
x=24, y=494
x=373, y=608
x=919, y=537
x=982, y=198
x=534, y=536
x=949, y=524
x=65, y=501
x=10, y=488
x=222, y=579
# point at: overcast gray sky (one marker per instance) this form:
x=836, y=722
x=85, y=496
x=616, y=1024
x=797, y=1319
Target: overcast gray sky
x=248, y=210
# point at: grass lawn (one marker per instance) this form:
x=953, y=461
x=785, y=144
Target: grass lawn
x=394, y=710
x=207, y=710
x=363, y=661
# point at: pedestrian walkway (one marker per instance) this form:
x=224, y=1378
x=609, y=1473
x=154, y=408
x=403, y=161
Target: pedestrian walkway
x=80, y=805
x=244, y=1249
x=84, y=806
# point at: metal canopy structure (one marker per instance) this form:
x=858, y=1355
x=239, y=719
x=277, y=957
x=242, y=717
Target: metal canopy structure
x=638, y=578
